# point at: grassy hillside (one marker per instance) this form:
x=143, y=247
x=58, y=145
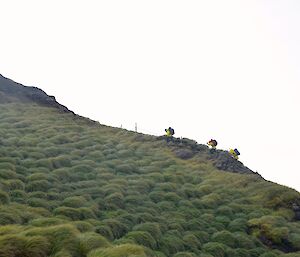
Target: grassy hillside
x=73, y=187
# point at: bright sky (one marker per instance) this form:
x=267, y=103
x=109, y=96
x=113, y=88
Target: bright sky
x=228, y=70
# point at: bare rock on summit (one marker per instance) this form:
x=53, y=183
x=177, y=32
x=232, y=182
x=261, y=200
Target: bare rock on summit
x=185, y=149
x=224, y=161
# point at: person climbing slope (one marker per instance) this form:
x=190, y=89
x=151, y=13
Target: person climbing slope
x=169, y=133
x=212, y=144
x=234, y=153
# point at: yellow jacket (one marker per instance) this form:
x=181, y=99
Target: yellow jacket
x=168, y=133
x=233, y=153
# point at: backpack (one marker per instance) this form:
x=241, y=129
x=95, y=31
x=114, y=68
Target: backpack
x=236, y=151
x=172, y=131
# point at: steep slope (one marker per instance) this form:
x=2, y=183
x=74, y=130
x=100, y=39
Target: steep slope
x=73, y=187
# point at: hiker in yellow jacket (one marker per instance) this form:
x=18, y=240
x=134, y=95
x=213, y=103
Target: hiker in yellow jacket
x=234, y=153
x=169, y=133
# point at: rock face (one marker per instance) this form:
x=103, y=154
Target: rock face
x=184, y=148
x=224, y=161
x=296, y=209
x=10, y=91
x=184, y=154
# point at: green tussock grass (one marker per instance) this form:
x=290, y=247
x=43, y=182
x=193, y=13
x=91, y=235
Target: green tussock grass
x=126, y=250
x=71, y=187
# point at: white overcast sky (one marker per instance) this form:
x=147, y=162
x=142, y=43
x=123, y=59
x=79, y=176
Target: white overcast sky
x=228, y=70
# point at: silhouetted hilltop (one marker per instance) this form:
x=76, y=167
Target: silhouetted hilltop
x=11, y=91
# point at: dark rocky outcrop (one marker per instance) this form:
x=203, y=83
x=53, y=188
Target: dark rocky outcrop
x=185, y=148
x=296, y=209
x=222, y=160
x=11, y=91
x=184, y=154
